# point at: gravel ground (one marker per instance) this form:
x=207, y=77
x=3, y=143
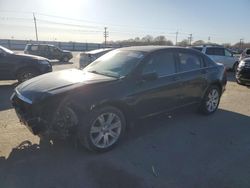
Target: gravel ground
x=179, y=149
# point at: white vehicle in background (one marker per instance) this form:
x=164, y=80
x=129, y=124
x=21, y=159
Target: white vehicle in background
x=220, y=54
x=90, y=56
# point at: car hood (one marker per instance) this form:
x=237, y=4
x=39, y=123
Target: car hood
x=26, y=56
x=58, y=82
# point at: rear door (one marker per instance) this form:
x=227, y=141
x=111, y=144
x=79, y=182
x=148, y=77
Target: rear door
x=162, y=93
x=44, y=51
x=193, y=75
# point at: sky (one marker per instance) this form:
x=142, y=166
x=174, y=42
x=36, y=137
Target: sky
x=224, y=21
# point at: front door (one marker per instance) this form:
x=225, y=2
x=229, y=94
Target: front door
x=157, y=95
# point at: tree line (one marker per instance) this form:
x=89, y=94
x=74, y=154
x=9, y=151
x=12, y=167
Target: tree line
x=162, y=40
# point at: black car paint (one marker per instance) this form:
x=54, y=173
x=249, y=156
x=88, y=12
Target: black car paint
x=135, y=96
x=243, y=73
x=11, y=64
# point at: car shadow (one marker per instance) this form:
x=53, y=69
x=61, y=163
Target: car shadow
x=179, y=149
x=231, y=76
x=5, y=94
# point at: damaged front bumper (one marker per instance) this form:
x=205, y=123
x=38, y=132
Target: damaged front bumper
x=26, y=115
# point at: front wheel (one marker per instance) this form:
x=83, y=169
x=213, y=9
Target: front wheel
x=65, y=59
x=103, y=129
x=211, y=100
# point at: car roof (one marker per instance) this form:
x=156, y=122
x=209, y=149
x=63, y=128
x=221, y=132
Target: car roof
x=150, y=48
x=40, y=45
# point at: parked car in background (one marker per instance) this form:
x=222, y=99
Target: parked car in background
x=90, y=56
x=48, y=51
x=219, y=54
x=97, y=103
x=243, y=72
x=21, y=67
x=245, y=54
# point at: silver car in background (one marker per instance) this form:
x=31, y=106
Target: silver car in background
x=220, y=54
x=90, y=56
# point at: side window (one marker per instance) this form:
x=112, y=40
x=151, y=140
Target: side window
x=51, y=49
x=163, y=63
x=34, y=48
x=215, y=51
x=189, y=62
x=227, y=53
x=42, y=48
x=248, y=52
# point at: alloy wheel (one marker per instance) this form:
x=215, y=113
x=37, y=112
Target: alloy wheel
x=105, y=130
x=26, y=76
x=212, y=100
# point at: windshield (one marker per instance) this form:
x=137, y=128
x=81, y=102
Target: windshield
x=117, y=63
x=6, y=50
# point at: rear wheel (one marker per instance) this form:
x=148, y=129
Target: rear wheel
x=65, y=59
x=211, y=100
x=26, y=74
x=103, y=129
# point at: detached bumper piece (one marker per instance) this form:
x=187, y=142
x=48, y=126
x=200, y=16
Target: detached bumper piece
x=25, y=114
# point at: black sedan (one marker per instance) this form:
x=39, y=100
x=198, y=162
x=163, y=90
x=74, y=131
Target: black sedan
x=243, y=72
x=97, y=103
x=21, y=67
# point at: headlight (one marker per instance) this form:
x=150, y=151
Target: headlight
x=242, y=64
x=44, y=62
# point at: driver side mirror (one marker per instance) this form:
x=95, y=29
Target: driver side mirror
x=150, y=76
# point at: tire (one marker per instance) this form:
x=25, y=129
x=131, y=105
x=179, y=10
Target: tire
x=211, y=100
x=44, y=142
x=235, y=67
x=96, y=132
x=65, y=59
x=26, y=74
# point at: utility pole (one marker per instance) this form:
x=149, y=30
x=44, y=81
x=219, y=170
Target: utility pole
x=190, y=38
x=176, y=38
x=35, y=26
x=106, y=34
x=241, y=43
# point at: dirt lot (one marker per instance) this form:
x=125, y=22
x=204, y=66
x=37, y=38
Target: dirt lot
x=180, y=149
